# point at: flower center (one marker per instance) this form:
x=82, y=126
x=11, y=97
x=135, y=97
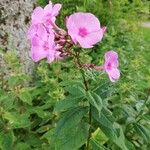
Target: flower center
x=83, y=32
x=109, y=66
x=46, y=46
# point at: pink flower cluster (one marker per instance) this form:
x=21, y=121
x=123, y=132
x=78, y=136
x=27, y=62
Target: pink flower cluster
x=47, y=39
x=51, y=42
x=42, y=35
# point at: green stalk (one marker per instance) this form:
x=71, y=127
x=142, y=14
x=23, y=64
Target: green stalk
x=86, y=89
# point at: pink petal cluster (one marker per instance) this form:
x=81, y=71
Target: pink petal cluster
x=46, y=15
x=85, y=29
x=41, y=33
x=51, y=42
x=111, y=65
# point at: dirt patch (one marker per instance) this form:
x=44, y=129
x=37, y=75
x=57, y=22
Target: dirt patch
x=146, y=24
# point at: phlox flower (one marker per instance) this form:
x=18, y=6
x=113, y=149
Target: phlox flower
x=43, y=48
x=42, y=35
x=46, y=15
x=85, y=29
x=43, y=20
x=111, y=65
x=36, y=30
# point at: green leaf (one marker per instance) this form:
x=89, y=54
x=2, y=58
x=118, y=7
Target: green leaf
x=48, y=135
x=43, y=128
x=25, y=96
x=70, y=119
x=97, y=146
x=105, y=90
x=13, y=81
x=67, y=103
x=76, y=91
x=120, y=141
x=6, y=100
x=95, y=100
x=42, y=2
x=17, y=120
x=106, y=119
x=130, y=145
x=6, y=140
x=33, y=140
x=39, y=110
x=99, y=136
x=70, y=132
x=76, y=94
x=143, y=132
x=74, y=138
x=73, y=82
x=112, y=130
x=22, y=146
x=146, y=117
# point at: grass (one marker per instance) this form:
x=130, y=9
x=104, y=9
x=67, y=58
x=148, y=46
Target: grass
x=146, y=32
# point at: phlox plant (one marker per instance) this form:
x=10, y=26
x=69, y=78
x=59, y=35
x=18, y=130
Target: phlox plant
x=48, y=41
x=51, y=42
x=75, y=98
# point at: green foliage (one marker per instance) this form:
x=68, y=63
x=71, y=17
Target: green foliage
x=6, y=140
x=42, y=2
x=95, y=100
x=50, y=109
x=71, y=132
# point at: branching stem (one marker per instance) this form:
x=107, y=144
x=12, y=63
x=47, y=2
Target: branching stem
x=86, y=89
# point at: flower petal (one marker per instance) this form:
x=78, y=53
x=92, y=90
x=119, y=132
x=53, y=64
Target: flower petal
x=111, y=57
x=37, y=30
x=37, y=53
x=88, y=20
x=48, y=8
x=88, y=24
x=114, y=74
x=37, y=15
x=93, y=37
x=84, y=43
x=56, y=9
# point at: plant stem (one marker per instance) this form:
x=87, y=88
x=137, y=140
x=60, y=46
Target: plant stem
x=90, y=122
x=86, y=89
x=142, y=109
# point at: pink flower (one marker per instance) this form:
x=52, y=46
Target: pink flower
x=42, y=34
x=46, y=15
x=85, y=29
x=43, y=20
x=37, y=30
x=111, y=65
x=43, y=48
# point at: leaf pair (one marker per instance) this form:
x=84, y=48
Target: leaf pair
x=76, y=94
x=95, y=100
x=71, y=131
